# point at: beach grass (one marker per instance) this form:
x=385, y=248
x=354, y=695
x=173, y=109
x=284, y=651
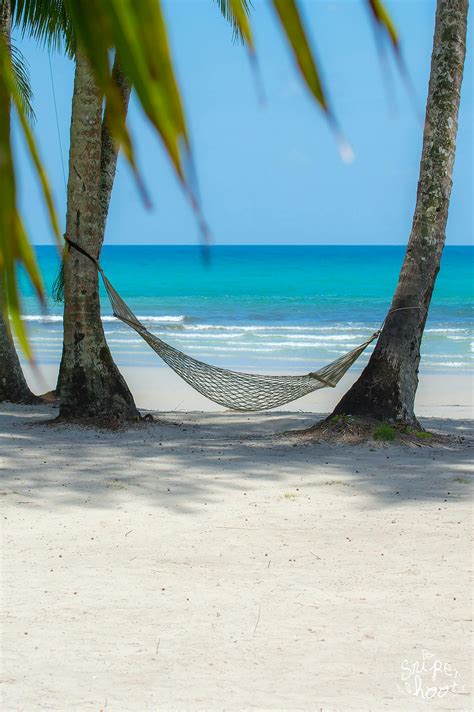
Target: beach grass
x=385, y=432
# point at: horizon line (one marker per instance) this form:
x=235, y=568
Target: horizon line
x=254, y=244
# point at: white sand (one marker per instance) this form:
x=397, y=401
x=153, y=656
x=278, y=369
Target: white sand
x=441, y=396
x=200, y=563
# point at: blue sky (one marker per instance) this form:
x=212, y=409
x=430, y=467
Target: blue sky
x=271, y=174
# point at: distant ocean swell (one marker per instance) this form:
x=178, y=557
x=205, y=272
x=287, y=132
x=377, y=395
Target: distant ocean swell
x=47, y=318
x=275, y=309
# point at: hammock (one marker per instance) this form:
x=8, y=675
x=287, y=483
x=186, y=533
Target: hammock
x=232, y=389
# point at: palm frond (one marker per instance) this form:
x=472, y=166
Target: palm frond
x=384, y=21
x=292, y=24
x=15, y=247
x=21, y=76
x=228, y=10
x=137, y=30
x=46, y=21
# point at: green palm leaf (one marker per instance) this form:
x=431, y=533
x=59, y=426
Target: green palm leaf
x=46, y=21
x=15, y=248
x=138, y=32
x=292, y=24
x=21, y=76
x=237, y=12
x=384, y=20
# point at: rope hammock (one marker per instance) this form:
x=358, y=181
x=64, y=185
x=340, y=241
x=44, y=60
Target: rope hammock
x=232, y=389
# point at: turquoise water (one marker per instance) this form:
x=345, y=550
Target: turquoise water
x=284, y=308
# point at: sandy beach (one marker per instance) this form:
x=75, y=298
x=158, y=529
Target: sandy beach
x=446, y=395
x=208, y=562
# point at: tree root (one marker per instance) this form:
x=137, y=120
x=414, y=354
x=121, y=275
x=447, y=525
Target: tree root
x=105, y=423
x=346, y=429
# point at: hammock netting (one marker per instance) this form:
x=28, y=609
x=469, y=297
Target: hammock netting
x=232, y=389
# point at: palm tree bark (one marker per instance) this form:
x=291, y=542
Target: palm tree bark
x=90, y=384
x=13, y=385
x=110, y=150
x=386, y=388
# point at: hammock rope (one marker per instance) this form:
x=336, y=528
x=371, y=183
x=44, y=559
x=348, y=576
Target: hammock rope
x=232, y=389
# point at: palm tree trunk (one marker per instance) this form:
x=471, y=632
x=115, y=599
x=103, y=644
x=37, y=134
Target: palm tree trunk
x=110, y=150
x=13, y=386
x=387, y=386
x=90, y=382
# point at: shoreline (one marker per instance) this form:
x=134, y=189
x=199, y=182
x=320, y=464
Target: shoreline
x=159, y=388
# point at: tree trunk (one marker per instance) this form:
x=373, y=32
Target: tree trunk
x=13, y=386
x=90, y=382
x=110, y=150
x=387, y=386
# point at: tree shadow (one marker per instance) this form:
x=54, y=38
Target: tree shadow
x=188, y=461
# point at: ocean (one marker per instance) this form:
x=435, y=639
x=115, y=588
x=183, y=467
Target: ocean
x=268, y=308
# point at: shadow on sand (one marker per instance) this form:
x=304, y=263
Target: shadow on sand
x=188, y=460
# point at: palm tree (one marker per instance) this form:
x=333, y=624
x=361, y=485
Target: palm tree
x=90, y=384
x=13, y=385
x=100, y=382
x=386, y=388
